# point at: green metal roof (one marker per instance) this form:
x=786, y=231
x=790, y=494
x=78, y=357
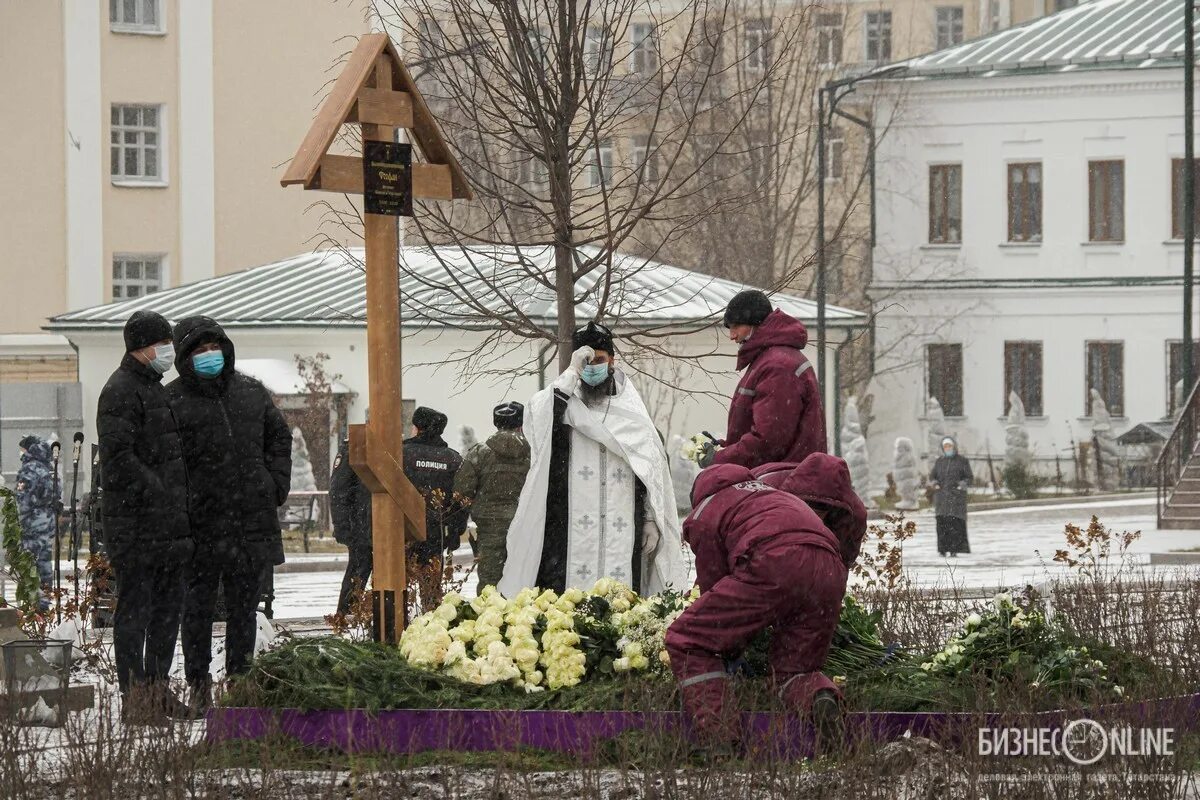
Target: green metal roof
x=1101, y=34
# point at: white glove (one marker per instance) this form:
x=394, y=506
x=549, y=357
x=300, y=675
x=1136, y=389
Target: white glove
x=572, y=375
x=649, y=536
x=581, y=358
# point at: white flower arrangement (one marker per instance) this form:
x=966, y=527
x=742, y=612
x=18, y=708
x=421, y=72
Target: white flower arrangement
x=531, y=642
x=694, y=447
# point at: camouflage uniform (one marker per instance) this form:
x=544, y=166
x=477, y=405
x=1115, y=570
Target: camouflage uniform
x=35, y=504
x=491, y=477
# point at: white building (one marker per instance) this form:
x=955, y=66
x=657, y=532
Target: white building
x=316, y=303
x=1030, y=207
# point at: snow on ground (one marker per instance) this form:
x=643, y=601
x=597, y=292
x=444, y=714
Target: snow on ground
x=1012, y=547
x=1005, y=548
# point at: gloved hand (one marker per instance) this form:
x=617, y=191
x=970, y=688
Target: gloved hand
x=580, y=358
x=650, y=536
x=707, y=454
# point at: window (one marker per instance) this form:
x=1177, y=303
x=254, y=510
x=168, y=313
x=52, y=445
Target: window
x=1106, y=374
x=879, y=35
x=1106, y=201
x=829, y=38
x=136, y=276
x=1025, y=202
x=539, y=44
x=644, y=159
x=1060, y=5
x=1177, y=197
x=136, y=143
x=135, y=16
x=601, y=169
x=645, y=48
x=835, y=148
x=757, y=38
x=995, y=17
x=1175, y=372
x=945, y=204
x=430, y=39
x=532, y=172
x=1023, y=375
x=944, y=377
x=597, y=50
x=949, y=26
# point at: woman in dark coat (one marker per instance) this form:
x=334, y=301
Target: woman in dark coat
x=950, y=478
x=238, y=451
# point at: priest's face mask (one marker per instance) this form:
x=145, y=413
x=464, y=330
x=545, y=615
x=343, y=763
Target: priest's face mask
x=598, y=375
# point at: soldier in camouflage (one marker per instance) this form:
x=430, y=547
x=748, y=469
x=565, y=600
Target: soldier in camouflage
x=491, y=478
x=37, y=505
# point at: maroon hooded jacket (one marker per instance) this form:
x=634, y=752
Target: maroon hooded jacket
x=732, y=512
x=825, y=480
x=776, y=413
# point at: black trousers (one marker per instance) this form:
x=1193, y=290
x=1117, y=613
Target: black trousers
x=150, y=595
x=358, y=571
x=240, y=575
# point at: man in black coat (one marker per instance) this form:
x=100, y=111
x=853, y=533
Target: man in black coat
x=430, y=465
x=238, y=451
x=350, y=507
x=145, y=513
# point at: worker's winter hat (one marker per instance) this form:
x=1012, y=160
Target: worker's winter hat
x=145, y=328
x=426, y=419
x=750, y=307
x=29, y=441
x=595, y=336
x=508, y=416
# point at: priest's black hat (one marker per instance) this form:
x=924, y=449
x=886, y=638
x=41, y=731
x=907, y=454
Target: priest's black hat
x=595, y=336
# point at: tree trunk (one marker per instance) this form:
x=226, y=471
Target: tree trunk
x=564, y=284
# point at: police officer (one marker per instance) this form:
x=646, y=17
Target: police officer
x=431, y=466
x=350, y=508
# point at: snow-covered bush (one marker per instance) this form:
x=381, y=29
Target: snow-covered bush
x=936, y=422
x=854, y=450
x=904, y=472
x=1108, y=453
x=303, y=479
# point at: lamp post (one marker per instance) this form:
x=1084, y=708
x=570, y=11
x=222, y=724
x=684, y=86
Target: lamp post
x=1189, y=191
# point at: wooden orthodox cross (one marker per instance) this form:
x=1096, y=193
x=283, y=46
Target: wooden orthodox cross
x=376, y=91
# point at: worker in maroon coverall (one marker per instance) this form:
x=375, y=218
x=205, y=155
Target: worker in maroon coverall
x=765, y=558
x=776, y=413
x=813, y=481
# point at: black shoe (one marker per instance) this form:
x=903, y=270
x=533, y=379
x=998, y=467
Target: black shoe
x=200, y=700
x=140, y=707
x=827, y=723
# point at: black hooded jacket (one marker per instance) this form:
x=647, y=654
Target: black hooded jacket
x=237, y=446
x=142, y=473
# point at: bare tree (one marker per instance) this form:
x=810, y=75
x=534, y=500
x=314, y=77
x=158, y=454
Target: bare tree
x=576, y=122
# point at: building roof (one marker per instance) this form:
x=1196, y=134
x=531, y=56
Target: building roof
x=328, y=290
x=281, y=377
x=1101, y=34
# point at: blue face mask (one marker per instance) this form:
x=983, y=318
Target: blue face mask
x=595, y=374
x=210, y=364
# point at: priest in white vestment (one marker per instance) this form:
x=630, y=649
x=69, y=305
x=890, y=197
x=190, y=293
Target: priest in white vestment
x=598, y=500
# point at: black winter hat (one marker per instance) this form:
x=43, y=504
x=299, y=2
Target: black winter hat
x=145, y=328
x=29, y=441
x=595, y=336
x=749, y=307
x=508, y=416
x=428, y=420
